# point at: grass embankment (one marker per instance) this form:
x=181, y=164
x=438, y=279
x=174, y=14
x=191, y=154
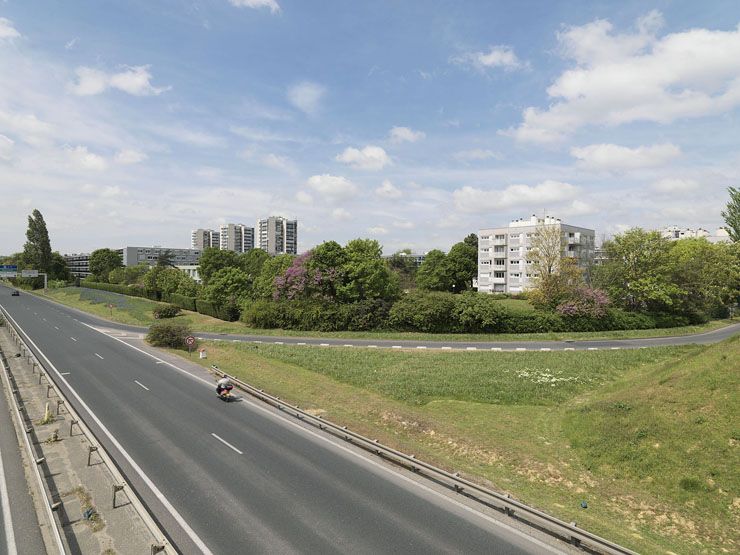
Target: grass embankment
x=648, y=438
x=137, y=311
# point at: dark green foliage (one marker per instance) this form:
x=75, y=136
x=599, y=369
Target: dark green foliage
x=432, y=274
x=213, y=260
x=166, y=311
x=168, y=334
x=37, y=250
x=183, y=301
x=102, y=262
x=732, y=214
x=206, y=307
x=314, y=315
x=424, y=311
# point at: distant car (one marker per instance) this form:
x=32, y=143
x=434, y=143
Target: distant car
x=15, y=293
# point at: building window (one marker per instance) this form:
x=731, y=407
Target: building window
x=499, y=275
x=515, y=274
x=500, y=237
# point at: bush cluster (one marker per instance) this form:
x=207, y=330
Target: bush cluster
x=168, y=334
x=166, y=311
x=131, y=290
x=316, y=315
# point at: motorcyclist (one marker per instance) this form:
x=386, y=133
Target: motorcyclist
x=224, y=385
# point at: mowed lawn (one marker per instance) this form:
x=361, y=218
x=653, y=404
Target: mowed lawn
x=648, y=438
x=137, y=311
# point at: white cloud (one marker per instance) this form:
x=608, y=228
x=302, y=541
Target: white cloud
x=476, y=154
x=82, y=158
x=369, y=158
x=134, y=80
x=127, y=156
x=405, y=134
x=6, y=147
x=471, y=199
x=638, y=76
x=306, y=96
x=377, y=230
x=674, y=185
x=501, y=56
x=303, y=197
x=71, y=44
x=388, y=190
x=28, y=127
x=617, y=158
x=280, y=163
x=185, y=135
x=332, y=186
x=7, y=31
x=341, y=214
x=272, y=5
x=404, y=225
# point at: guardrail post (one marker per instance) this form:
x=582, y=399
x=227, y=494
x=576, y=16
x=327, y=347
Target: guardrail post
x=41, y=374
x=59, y=403
x=573, y=540
x=116, y=489
x=48, y=389
x=72, y=422
x=157, y=549
x=91, y=450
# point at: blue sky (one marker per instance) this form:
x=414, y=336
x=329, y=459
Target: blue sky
x=413, y=122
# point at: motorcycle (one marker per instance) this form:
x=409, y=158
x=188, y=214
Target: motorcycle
x=225, y=394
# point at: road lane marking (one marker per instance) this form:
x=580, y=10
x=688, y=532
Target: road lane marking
x=372, y=346
x=569, y=349
x=471, y=348
x=445, y=348
x=56, y=328
x=545, y=349
x=160, y=362
x=97, y=355
x=300, y=343
x=396, y=347
x=520, y=349
x=73, y=339
x=226, y=443
x=7, y=518
x=421, y=346
x=323, y=344
x=348, y=345
x=148, y=481
x=279, y=343
x=137, y=382
x=496, y=348
x=64, y=373
x=593, y=348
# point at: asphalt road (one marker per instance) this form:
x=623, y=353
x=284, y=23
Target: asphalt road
x=595, y=344
x=235, y=477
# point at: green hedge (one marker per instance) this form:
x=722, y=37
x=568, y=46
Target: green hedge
x=316, y=315
x=183, y=301
x=130, y=290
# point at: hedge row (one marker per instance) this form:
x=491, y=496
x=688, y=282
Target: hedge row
x=183, y=301
x=315, y=315
x=131, y=290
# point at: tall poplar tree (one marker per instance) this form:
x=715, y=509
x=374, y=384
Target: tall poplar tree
x=37, y=250
x=732, y=214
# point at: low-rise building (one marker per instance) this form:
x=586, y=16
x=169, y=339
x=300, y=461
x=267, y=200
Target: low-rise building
x=674, y=233
x=191, y=270
x=78, y=264
x=504, y=262
x=131, y=256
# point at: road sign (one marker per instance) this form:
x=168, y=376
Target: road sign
x=29, y=273
x=8, y=274
x=190, y=341
x=9, y=267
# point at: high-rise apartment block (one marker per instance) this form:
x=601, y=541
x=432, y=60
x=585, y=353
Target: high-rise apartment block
x=278, y=235
x=204, y=239
x=504, y=262
x=236, y=237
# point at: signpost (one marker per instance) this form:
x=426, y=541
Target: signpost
x=8, y=271
x=29, y=273
x=190, y=341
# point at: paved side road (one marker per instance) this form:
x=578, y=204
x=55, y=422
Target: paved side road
x=238, y=477
x=583, y=345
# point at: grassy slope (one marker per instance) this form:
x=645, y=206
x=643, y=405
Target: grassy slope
x=137, y=311
x=552, y=443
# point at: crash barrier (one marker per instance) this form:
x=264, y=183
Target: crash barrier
x=55, y=524
x=569, y=532
x=162, y=545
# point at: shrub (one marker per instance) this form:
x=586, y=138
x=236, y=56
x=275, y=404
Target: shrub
x=166, y=311
x=427, y=311
x=168, y=334
x=206, y=307
x=475, y=312
x=183, y=301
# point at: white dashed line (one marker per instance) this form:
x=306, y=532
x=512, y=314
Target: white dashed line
x=279, y=343
x=545, y=349
x=300, y=343
x=348, y=345
x=256, y=341
x=372, y=346
x=397, y=347
x=237, y=341
x=471, y=348
x=446, y=348
x=73, y=339
x=56, y=328
x=520, y=349
x=593, y=348
x=159, y=362
x=421, y=346
x=137, y=382
x=227, y=443
x=616, y=348
x=496, y=348
x=64, y=373
x=97, y=355
x=323, y=344
x=569, y=349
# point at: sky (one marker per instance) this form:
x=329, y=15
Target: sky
x=413, y=122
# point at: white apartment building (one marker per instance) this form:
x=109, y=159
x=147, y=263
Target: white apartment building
x=236, y=237
x=674, y=233
x=278, y=235
x=204, y=239
x=503, y=262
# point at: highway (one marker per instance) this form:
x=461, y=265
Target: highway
x=226, y=478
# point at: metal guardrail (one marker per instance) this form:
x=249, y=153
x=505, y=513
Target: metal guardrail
x=49, y=506
x=567, y=531
x=164, y=545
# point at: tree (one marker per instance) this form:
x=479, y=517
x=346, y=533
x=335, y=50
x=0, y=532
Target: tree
x=472, y=240
x=212, y=260
x=405, y=268
x=37, y=250
x=228, y=287
x=732, y=214
x=327, y=265
x=263, y=286
x=165, y=259
x=365, y=274
x=462, y=264
x=564, y=284
x=432, y=274
x=547, y=250
x=251, y=262
x=134, y=275
x=102, y=261
x=58, y=269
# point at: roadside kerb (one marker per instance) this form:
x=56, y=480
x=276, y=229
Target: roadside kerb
x=49, y=507
x=163, y=545
x=511, y=507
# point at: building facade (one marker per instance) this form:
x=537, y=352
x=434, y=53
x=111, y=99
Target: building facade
x=191, y=271
x=132, y=256
x=504, y=263
x=236, y=237
x=278, y=235
x=674, y=233
x=205, y=238
x=78, y=264
x=416, y=257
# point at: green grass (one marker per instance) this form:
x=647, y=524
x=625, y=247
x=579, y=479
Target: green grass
x=500, y=419
x=138, y=311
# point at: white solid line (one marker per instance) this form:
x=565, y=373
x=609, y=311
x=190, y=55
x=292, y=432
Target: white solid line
x=97, y=355
x=137, y=382
x=73, y=339
x=7, y=518
x=154, y=489
x=227, y=443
